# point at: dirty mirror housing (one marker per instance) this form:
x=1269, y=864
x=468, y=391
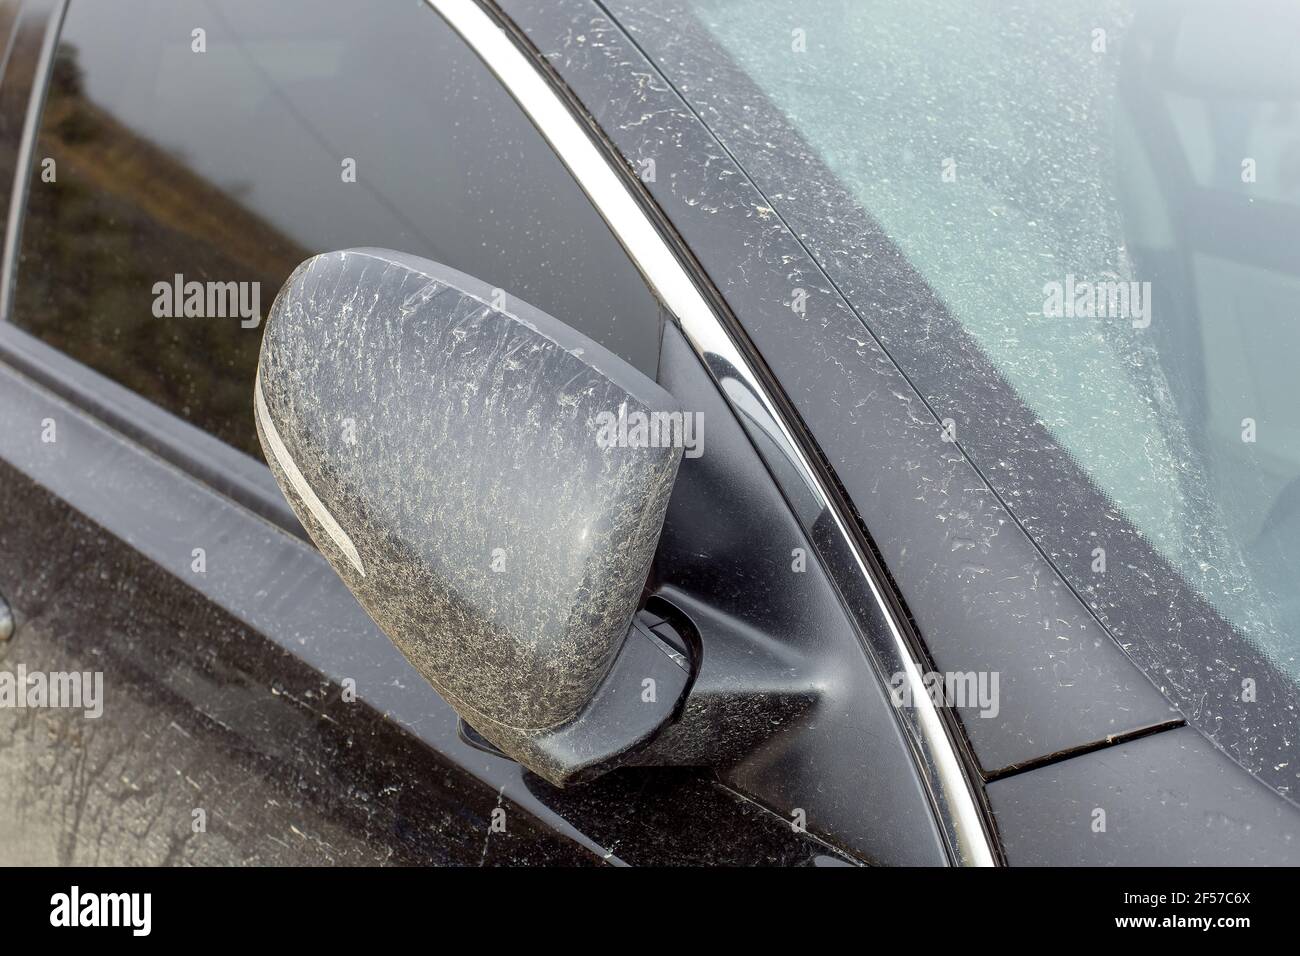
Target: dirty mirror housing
x=448, y=449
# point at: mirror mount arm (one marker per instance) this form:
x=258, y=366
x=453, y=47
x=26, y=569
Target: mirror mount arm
x=640, y=693
x=748, y=687
x=745, y=690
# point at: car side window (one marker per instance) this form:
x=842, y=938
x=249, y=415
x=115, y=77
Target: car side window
x=190, y=155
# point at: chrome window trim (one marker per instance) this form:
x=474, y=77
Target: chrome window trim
x=955, y=802
x=48, y=14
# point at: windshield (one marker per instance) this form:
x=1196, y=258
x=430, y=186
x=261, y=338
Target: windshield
x=1105, y=197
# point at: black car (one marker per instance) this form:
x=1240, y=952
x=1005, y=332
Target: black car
x=708, y=431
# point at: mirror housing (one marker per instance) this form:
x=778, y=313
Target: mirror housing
x=453, y=461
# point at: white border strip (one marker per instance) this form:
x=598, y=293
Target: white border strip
x=299, y=483
x=675, y=288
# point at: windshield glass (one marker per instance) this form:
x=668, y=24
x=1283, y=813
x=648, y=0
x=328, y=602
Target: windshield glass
x=1106, y=199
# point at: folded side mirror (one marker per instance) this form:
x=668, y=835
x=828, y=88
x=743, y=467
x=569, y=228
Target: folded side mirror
x=460, y=465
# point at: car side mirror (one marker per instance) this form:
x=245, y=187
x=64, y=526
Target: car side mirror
x=461, y=465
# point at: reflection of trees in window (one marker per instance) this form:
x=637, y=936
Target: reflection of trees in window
x=124, y=214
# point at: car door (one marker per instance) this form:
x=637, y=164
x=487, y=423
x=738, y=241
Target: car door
x=172, y=163
x=784, y=139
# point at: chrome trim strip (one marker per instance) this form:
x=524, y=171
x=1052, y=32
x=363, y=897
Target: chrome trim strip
x=53, y=12
x=299, y=482
x=955, y=802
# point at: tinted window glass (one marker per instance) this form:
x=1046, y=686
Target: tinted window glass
x=280, y=131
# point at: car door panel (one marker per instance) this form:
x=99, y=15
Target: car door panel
x=225, y=692
x=252, y=712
